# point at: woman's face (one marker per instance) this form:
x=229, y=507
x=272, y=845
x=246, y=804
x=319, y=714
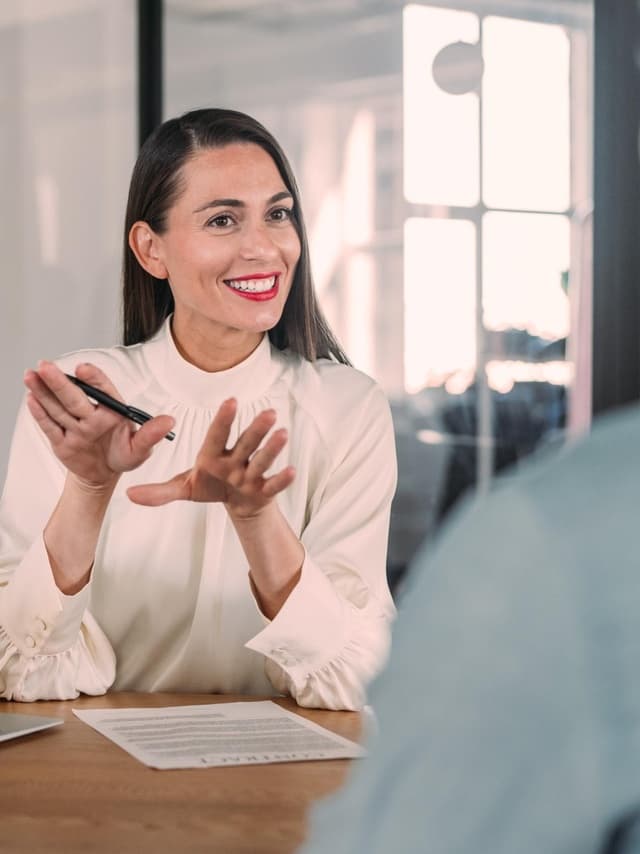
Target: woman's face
x=230, y=249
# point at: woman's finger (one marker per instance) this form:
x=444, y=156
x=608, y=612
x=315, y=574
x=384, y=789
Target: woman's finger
x=263, y=459
x=156, y=494
x=51, y=403
x=92, y=374
x=250, y=439
x=52, y=430
x=215, y=442
x=56, y=389
x=278, y=482
x=64, y=391
x=150, y=433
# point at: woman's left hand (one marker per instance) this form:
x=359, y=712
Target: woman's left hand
x=233, y=476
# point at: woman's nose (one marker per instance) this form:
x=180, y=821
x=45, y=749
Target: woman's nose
x=258, y=243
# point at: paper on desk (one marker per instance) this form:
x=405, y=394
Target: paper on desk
x=217, y=734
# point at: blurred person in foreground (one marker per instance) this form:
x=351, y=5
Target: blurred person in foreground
x=509, y=714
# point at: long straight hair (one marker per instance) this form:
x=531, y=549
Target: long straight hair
x=155, y=186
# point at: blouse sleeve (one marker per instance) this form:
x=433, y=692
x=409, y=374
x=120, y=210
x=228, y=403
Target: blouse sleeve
x=51, y=648
x=332, y=635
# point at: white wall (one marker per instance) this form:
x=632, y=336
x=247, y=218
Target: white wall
x=67, y=146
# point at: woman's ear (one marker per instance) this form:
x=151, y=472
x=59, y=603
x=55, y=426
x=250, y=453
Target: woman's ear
x=145, y=245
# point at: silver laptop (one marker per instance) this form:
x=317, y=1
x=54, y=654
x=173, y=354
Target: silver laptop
x=12, y=726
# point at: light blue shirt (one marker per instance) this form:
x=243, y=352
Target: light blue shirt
x=509, y=714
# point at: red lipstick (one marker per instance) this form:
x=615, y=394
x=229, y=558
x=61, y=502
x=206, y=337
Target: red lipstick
x=256, y=296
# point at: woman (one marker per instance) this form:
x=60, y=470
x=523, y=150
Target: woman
x=248, y=555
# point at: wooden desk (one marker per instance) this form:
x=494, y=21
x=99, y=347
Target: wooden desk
x=71, y=790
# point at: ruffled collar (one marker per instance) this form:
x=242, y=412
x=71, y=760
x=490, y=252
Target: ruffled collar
x=189, y=384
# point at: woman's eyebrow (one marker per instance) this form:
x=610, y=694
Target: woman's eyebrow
x=237, y=203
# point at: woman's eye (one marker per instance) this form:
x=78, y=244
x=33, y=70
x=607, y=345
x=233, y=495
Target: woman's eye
x=281, y=214
x=220, y=221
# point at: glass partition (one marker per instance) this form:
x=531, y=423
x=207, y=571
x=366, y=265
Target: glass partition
x=68, y=141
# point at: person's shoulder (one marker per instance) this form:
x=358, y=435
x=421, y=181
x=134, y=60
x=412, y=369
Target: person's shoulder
x=586, y=469
x=327, y=387
x=338, y=398
x=329, y=378
x=574, y=505
x=123, y=364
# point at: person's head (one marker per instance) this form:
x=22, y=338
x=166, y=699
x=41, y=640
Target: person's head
x=177, y=255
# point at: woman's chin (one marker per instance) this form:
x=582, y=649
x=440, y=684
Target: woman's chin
x=264, y=322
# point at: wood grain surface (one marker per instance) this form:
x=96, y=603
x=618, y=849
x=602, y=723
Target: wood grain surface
x=71, y=790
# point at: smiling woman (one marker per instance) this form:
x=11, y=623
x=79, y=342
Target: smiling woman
x=268, y=575
x=230, y=261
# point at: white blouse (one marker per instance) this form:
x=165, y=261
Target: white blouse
x=169, y=605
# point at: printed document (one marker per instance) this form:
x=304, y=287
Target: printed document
x=244, y=733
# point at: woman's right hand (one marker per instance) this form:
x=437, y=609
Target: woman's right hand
x=95, y=444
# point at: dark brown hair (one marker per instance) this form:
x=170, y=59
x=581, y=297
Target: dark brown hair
x=155, y=186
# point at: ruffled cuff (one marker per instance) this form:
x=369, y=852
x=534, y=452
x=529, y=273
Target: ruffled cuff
x=37, y=617
x=311, y=627
x=88, y=667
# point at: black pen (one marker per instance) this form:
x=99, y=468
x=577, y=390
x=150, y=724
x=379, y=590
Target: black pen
x=130, y=412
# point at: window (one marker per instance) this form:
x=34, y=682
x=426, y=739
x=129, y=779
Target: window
x=445, y=229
